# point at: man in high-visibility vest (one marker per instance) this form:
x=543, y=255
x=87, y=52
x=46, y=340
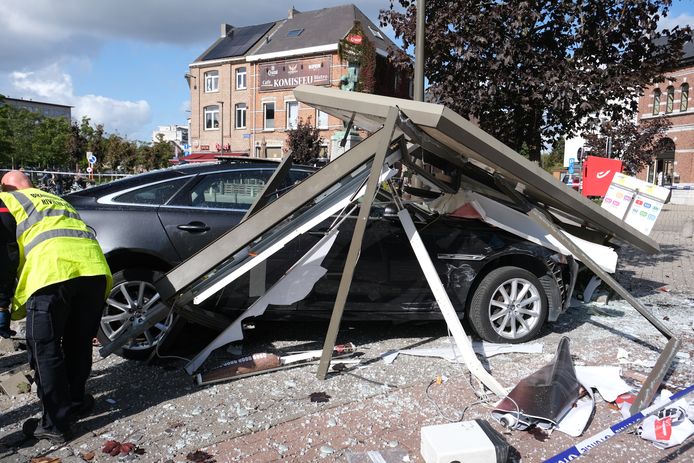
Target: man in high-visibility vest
x=62, y=279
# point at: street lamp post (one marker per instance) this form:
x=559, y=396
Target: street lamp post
x=221, y=126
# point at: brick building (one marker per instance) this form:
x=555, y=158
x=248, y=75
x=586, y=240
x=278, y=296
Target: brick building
x=674, y=163
x=241, y=87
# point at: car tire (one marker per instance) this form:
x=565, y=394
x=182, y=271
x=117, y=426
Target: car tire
x=508, y=306
x=133, y=293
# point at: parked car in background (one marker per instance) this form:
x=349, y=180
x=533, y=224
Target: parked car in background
x=573, y=181
x=147, y=224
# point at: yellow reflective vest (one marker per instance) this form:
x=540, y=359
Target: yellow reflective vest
x=54, y=244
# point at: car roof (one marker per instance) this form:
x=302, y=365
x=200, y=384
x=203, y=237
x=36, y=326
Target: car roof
x=181, y=170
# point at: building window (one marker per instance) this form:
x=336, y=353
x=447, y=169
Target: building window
x=241, y=78
x=292, y=108
x=212, y=81
x=321, y=119
x=241, y=116
x=294, y=32
x=269, y=115
x=211, y=117
x=684, y=98
x=656, y=101
x=670, y=103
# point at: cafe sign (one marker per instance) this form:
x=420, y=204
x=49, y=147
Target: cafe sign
x=289, y=74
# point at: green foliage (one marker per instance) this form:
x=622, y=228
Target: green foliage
x=30, y=140
x=554, y=158
x=363, y=53
x=531, y=72
x=304, y=142
x=635, y=144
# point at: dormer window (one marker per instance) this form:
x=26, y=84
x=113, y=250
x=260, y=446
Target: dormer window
x=294, y=32
x=375, y=32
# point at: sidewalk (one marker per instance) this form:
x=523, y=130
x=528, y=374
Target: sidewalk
x=673, y=268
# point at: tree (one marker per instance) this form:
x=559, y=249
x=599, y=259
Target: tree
x=555, y=158
x=532, y=71
x=635, y=144
x=305, y=142
x=162, y=152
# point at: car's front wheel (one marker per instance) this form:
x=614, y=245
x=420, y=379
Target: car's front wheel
x=132, y=296
x=508, y=306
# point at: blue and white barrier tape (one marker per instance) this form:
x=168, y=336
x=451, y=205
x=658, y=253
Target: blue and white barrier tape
x=593, y=441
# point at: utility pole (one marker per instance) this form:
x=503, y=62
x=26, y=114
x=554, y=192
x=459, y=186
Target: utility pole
x=419, y=54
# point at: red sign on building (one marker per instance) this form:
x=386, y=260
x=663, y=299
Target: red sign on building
x=598, y=173
x=355, y=39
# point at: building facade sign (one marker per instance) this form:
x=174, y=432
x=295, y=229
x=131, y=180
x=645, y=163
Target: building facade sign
x=289, y=74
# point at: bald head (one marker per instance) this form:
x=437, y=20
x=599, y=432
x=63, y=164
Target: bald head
x=15, y=180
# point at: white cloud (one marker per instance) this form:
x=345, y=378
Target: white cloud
x=681, y=20
x=45, y=31
x=52, y=84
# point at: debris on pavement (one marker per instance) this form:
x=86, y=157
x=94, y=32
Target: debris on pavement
x=319, y=397
x=381, y=456
x=15, y=382
x=200, y=456
x=587, y=444
x=670, y=426
x=452, y=354
x=264, y=362
x=543, y=398
x=115, y=448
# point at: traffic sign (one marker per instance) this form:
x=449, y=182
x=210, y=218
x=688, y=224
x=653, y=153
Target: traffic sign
x=89, y=169
x=571, y=165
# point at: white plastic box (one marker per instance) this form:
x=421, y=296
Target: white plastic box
x=465, y=442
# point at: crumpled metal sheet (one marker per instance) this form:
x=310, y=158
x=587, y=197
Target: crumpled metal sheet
x=543, y=398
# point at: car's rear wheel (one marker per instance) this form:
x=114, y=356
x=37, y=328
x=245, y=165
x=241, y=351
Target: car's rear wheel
x=509, y=306
x=132, y=296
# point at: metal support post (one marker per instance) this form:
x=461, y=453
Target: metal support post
x=385, y=136
x=419, y=53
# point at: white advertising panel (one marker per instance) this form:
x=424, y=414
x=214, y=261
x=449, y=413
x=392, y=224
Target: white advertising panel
x=635, y=201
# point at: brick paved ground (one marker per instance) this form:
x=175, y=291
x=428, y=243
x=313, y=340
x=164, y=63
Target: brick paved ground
x=391, y=422
x=378, y=407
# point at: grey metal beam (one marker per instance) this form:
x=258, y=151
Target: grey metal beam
x=384, y=139
x=469, y=141
x=271, y=186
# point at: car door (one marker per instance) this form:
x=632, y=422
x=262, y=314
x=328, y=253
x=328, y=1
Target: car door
x=212, y=205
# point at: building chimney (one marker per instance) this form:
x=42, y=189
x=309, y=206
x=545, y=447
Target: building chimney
x=226, y=28
x=292, y=12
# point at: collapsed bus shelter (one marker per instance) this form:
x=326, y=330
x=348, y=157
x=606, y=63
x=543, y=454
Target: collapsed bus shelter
x=413, y=134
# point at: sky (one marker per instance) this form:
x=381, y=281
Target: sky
x=122, y=62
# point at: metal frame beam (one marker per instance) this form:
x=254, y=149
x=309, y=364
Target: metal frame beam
x=264, y=219
x=384, y=140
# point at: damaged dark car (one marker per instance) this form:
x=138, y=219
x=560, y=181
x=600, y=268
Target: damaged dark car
x=506, y=286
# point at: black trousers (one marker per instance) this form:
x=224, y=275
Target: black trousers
x=62, y=320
